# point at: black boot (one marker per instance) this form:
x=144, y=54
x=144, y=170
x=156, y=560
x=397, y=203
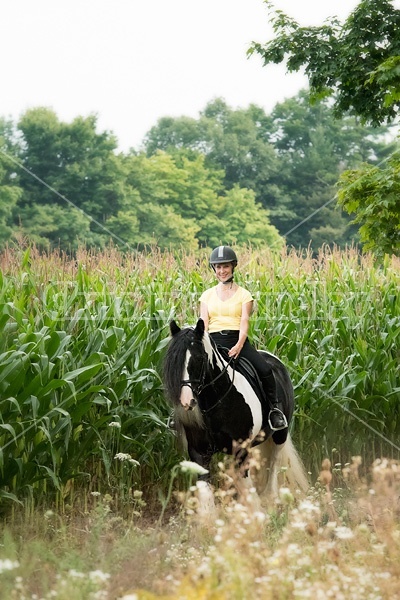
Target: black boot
x=276, y=417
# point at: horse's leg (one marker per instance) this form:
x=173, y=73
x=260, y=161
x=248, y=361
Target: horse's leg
x=206, y=510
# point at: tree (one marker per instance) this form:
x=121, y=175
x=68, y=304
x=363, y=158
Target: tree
x=290, y=158
x=358, y=64
x=234, y=141
x=10, y=192
x=246, y=221
x=373, y=194
x=353, y=61
x=82, y=176
x=181, y=201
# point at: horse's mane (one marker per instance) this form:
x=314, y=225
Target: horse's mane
x=174, y=361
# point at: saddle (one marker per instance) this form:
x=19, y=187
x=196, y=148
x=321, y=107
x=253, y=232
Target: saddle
x=244, y=367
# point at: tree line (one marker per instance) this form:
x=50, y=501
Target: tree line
x=230, y=175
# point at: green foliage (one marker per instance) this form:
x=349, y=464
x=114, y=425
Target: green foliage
x=72, y=181
x=75, y=357
x=291, y=160
x=348, y=60
x=335, y=325
x=358, y=64
x=372, y=193
x=81, y=350
x=231, y=176
x=10, y=193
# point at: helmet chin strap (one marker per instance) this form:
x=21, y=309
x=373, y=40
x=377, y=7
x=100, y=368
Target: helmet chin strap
x=227, y=281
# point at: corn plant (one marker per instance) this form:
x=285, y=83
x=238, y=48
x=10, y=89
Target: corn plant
x=82, y=343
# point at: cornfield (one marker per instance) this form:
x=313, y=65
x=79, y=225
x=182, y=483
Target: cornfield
x=82, y=342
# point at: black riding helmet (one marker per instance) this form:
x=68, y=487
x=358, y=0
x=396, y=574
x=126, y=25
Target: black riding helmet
x=223, y=254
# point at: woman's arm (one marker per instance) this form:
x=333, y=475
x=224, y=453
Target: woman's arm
x=204, y=314
x=247, y=309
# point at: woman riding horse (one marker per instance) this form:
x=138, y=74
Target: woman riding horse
x=225, y=310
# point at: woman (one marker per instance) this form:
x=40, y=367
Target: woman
x=225, y=310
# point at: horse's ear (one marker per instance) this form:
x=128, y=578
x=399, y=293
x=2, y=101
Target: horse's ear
x=199, y=329
x=174, y=328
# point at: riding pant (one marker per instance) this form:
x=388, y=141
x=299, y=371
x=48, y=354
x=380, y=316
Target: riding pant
x=228, y=338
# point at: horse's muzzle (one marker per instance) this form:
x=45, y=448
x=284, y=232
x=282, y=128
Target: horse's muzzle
x=192, y=405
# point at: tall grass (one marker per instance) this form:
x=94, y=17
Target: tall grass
x=81, y=352
x=339, y=542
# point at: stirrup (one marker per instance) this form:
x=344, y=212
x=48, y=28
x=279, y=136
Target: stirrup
x=284, y=426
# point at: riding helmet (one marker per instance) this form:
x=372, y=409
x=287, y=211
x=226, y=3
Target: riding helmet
x=223, y=254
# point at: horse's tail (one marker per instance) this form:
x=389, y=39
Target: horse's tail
x=280, y=465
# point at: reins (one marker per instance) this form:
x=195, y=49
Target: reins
x=202, y=386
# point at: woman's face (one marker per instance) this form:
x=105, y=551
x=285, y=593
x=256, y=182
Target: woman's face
x=224, y=271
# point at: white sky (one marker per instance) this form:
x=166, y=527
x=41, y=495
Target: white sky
x=134, y=61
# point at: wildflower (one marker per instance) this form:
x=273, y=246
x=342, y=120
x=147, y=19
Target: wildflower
x=98, y=576
x=95, y=493
x=187, y=466
x=259, y=516
x=285, y=495
x=7, y=565
x=76, y=574
x=121, y=456
x=115, y=424
x=343, y=533
x=308, y=507
x=126, y=457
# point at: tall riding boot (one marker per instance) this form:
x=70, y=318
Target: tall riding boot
x=276, y=418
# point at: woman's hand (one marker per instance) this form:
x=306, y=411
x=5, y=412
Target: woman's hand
x=235, y=350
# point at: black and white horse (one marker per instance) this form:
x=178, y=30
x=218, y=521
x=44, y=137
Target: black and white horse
x=218, y=408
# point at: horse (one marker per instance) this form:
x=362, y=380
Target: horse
x=219, y=408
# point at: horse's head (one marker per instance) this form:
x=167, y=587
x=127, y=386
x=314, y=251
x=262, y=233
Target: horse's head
x=189, y=357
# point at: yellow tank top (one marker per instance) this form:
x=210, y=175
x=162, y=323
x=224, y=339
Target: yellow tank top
x=225, y=314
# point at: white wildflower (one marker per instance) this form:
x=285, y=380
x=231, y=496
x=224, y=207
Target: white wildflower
x=98, y=576
x=95, y=493
x=187, y=466
x=7, y=565
x=76, y=574
x=259, y=516
x=126, y=457
x=285, y=495
x=308, y=507
x=121, y=456
x=115, y=424
x=343, y=533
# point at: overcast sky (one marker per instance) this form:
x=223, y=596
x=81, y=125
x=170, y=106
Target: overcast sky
x=134, y=61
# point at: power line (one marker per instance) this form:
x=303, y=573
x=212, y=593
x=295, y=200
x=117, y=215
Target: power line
x=49, y=187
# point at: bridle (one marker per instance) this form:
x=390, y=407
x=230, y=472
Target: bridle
x=197, y=386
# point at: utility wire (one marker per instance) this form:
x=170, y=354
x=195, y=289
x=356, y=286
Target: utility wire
x=49, y=187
